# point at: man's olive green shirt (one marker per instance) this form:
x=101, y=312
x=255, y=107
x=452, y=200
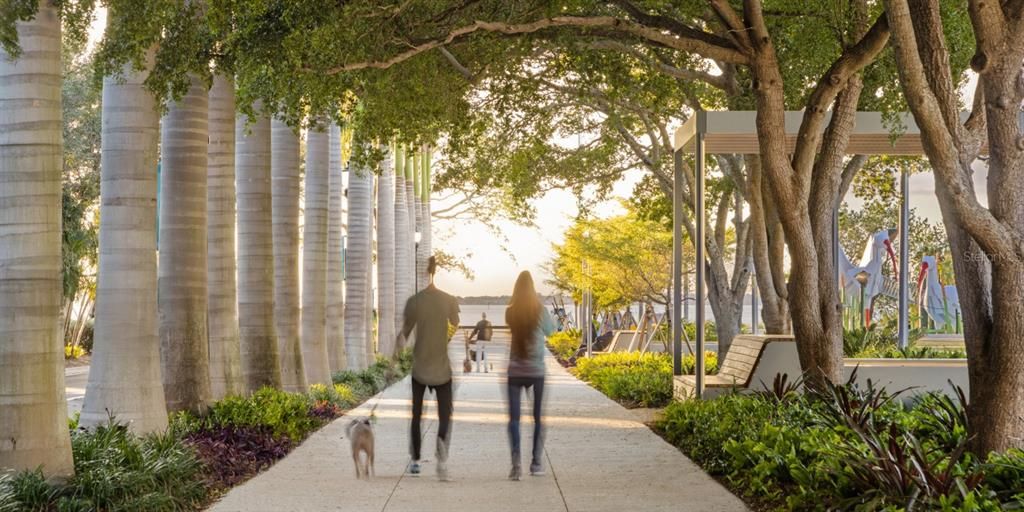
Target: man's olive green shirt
x=429, y=312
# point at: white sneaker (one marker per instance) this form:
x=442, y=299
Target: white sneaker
x=442, y=471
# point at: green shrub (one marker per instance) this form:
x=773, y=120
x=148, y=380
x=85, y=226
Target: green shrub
x=636, y=379
x=847, y=448
x=286, y=414
x=115, y=470
x=338, y=394
x=564, y=344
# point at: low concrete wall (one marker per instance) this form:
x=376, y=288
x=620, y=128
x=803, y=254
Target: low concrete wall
x=921, y=375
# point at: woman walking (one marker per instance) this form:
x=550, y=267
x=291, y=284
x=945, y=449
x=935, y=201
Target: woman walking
x=530, y=324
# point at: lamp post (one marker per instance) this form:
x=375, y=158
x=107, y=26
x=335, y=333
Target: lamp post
x=862, y=278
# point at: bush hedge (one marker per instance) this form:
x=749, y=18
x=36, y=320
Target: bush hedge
x=846, y=448
x=635, y=379
x=199, y=456
x=564, y=344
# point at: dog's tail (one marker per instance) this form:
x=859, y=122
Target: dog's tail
x=348, y=429
x=373, y=412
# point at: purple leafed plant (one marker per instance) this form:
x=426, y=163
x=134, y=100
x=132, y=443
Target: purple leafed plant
x=232, y=455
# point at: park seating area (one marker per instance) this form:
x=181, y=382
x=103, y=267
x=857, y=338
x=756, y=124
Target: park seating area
x=753, y=362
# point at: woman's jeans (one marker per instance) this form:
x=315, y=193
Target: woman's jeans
x=516, y=385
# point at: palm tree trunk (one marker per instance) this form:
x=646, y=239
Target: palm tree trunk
x=410, y=197
x=184, y=349
x=358, y=267
x=386, y=258
x=335, y=258
x=33, y=413
x=403, y=242
x=421, y=247
x=314, y=257
x=427, y=239
x=260, y=365
x=284, y=170
x=221, y=291
x=369, y=324
x=125, y=377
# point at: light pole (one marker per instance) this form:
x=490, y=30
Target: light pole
x=862, y=278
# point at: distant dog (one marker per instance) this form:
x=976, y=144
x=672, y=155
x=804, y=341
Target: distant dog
x=360, y=433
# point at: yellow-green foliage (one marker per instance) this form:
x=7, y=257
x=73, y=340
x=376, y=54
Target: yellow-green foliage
x=636, y=379
x=73, y=351
x=564, y=344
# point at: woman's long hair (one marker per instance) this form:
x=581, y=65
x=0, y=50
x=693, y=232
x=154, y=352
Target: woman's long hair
x=523, y=315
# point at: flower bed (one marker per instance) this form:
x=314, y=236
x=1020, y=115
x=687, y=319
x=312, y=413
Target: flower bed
x=199, y=457
x=846, y=448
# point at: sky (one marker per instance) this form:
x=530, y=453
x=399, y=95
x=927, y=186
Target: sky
x=530, y=248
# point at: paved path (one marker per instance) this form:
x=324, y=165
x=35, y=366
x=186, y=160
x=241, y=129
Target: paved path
x=599, y=458
x=75, y=380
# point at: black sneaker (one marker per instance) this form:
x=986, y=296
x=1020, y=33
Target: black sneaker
x=537, y=470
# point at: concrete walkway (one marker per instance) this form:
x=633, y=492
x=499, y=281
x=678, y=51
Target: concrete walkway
x=599, y=458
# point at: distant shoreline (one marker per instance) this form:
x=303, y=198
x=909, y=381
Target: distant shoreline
x=492, y=300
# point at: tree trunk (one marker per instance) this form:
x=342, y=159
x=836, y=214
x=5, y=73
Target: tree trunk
x=335, y=258
x=403, y=243
x=260, y=360
x=222, y=288
x=426, y=235
x=410, y=197
x=386, y=258
x=369, y=323
x=125, y=378
x=184, y=349
x=33, y=412
x=314, y=258
x=358, y=267
x=768, y=251
x=986, y=241
x=284, y=170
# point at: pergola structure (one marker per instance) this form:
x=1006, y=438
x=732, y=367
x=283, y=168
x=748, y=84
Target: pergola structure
x=734, y=132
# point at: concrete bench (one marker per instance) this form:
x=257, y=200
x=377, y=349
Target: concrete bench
x=746, y=365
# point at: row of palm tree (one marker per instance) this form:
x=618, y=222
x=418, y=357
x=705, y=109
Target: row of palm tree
x=189, y=322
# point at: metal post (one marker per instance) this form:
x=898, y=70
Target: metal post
x=587, y=305
x=904, y=311
x=753, y=304
x=686, y=295
x=698, y=204
x=677, y=263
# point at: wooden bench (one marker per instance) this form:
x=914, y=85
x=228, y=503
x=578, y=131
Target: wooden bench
x=736, y=371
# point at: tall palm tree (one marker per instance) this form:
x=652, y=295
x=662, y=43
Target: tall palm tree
x=285, y=181
x=335, y=258
x=358, y=267
x=184, y=349
x=403, y=241
x=125, y=378
x=410, y=196
x=314, y=257
x=221, y=290
x=386, y=257
x=421, y=224
x=33, y=412
x=260, y=359
x=426, y=237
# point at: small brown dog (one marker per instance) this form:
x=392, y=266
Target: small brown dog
x=360, y=433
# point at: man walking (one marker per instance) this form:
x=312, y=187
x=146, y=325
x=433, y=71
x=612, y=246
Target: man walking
x=430, y=312
x=481, y=335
